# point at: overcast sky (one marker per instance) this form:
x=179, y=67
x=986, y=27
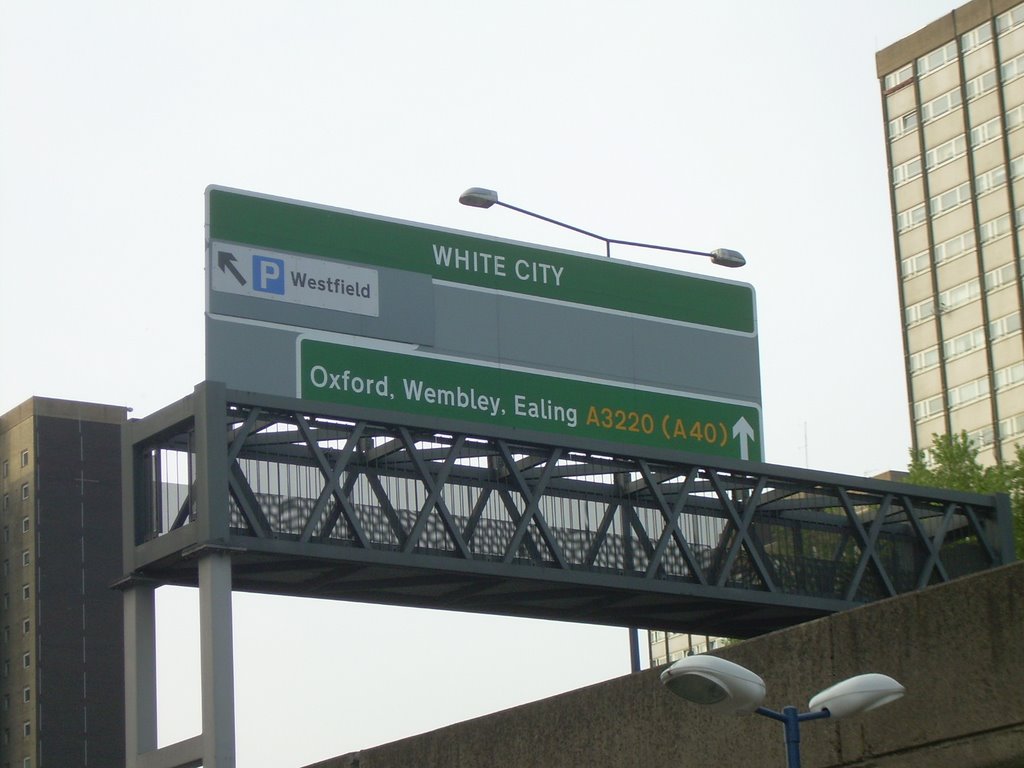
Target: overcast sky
x=749, y=125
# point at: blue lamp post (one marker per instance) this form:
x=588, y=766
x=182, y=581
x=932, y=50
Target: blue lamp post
x=727, y=687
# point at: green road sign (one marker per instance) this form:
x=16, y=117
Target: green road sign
x=489, y=395
x=474, y=260
x=335, y=306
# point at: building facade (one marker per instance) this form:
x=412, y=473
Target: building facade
x=667, y=647
x=62, y=681
x=953, y=105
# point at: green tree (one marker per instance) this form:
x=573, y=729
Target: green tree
x=953, y=463
x=1015, y=483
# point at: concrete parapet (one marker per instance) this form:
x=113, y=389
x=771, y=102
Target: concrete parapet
x=957, y=647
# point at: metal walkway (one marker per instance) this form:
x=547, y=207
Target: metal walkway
x=227, y=490
x=338, y=506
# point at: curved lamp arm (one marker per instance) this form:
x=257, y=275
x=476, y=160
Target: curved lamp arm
x=479, y=197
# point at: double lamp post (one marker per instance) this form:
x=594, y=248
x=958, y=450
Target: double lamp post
x=724, y=686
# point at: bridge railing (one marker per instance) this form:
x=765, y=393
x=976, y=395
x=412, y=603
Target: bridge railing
x=360, y=484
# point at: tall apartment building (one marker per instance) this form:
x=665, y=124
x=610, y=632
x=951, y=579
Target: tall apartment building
x=62, y=681
x=953, y=103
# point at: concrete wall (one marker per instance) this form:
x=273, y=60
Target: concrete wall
x=958, y=648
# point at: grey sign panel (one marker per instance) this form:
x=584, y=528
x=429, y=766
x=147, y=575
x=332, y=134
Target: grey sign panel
x=638, y=354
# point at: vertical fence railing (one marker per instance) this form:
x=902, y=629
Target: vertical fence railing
x=350, y=483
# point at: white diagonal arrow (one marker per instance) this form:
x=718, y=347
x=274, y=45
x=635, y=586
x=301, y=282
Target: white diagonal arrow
x=744, y=432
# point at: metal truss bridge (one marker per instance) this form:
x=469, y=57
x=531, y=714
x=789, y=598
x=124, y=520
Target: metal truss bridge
x=229, y=490
x=342, y=506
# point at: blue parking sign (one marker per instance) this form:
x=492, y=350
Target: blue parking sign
x=268, y=274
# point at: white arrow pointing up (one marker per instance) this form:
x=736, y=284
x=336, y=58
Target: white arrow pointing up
x=744, y=432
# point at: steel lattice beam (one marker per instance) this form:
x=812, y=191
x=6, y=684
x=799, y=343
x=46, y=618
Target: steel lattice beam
x=344, y=506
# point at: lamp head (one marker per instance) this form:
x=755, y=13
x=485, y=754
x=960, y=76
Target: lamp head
x=478, y=197
x=726, y=258
x=715, y=683
x=857, y=694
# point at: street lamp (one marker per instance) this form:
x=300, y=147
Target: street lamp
x=478, y=197
x=727, y=687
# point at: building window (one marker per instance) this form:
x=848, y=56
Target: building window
x=989, y=180
x=26, y=660
x=982, y=437
x=925, y=409
x=964, y=343
x=980, y=85
x=925, y=359
x=7, y=534
x=937, y=59
x=899, y=77
x=24, y=458
x=6, y=669
x=26, y=729
x=1009, y=20
x=7, y=502
x=1017, y=167
x=940, y=105
x=26, y=593
x=1012, y=69
x=1012, y=427
x=24, y=491
x=950, y=199
x=1010, y=376
x=24, y=525
x=995, y=228
x=976, y=37
x=6, y=468
x=915, y=313
x=954, y=247
x=906, y=171
x=969, y=392
x=26, y=694
x=1000, y=277
x=958, y=295
x=911, y=218
x=947, y=150
x=1014, y=118
x=1004, y=326
x=25, y=558
x=913, y=265
x=26, y=626
x=902, y=125
x=987, y=131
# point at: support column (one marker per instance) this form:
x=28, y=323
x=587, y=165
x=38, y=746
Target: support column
x=139, y=672
x=217, y=663
x=211, y=445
